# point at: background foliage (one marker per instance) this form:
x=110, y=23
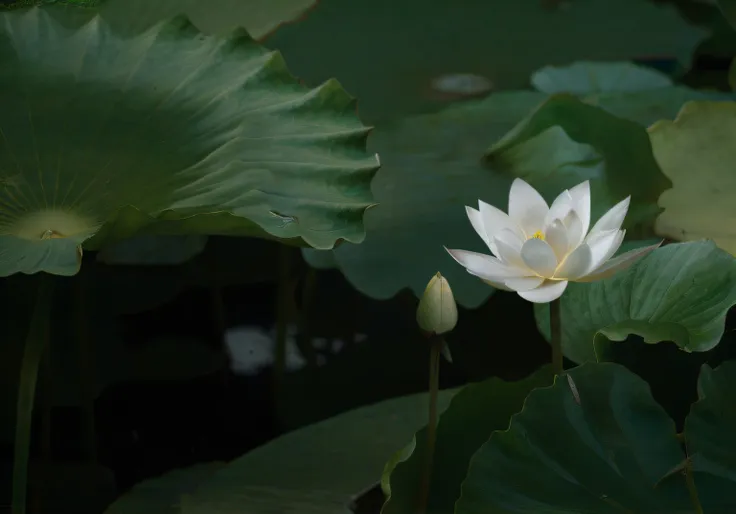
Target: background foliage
x=210, y=192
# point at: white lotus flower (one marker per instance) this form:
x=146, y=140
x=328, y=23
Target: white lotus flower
x=538, y=249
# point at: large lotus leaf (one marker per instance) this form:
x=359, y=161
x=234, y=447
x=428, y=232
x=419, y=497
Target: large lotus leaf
x=320, y=468
x=586, y=77
x=697, y=152
x=473, y=414
x=624, y=156
x=162, y=495
x=596, y=441
x=102, y=135
x=430, y=170
x=680, y=293
x=709, y=433
x=397, y=53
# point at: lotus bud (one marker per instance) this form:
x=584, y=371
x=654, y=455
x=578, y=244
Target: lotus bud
x=437, y=311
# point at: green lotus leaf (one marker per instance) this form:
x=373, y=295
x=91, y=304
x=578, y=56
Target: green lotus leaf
x=596, y=441
x=588, y=77
x=320, y=468
x=709, y=433
x=162, y=495
x=430, y=171
x=619, y=155
x=103, y=135
x=403, y=64
x=680, y=293
x=473, y=414
x=697, y=153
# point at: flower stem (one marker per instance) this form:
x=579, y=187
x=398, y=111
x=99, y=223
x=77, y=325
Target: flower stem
x=35, y=346
x=434, y=385
x=555, y=324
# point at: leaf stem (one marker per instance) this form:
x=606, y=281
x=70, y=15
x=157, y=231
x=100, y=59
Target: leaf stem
x=555, y=323
x=436, y=344
x=87, y=360
x=282, y=320
x=691, y=487
x=35, y=345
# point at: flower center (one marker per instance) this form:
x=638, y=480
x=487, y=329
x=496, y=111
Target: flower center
x=538, y=235
x=50, y=224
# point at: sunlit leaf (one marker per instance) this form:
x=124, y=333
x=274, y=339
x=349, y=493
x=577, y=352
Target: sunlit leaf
x=697, y=153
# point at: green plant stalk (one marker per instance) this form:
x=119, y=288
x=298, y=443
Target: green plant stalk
x=46, y=403
x=282, y=318
x=555, y=325
x=308, y=296
x=434, y=386
x=35, y=345
x=691, y=487
x=85, y=354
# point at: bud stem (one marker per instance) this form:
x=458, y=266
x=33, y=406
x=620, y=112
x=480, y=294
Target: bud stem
x=436, y=345
x=555, y=324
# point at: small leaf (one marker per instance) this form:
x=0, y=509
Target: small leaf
x=680, y=293
x=587, y=77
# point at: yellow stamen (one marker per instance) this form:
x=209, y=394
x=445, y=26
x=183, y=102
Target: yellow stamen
x=538, y=235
